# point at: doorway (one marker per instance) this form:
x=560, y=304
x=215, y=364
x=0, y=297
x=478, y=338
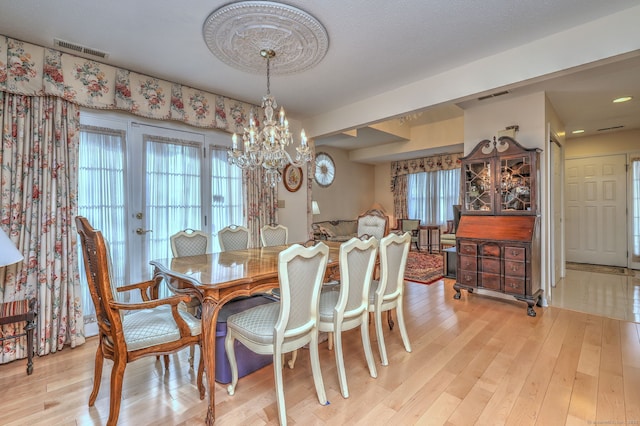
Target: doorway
x=595, y=207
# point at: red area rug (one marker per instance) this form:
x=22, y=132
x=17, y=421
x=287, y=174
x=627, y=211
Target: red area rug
x=423, y=268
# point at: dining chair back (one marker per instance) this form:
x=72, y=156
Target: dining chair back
x=277, y=235
x=287, y=325
x=149, y=328
x=233, y=237
x=345, y=307
x=387, y=292
x=373, y=223
x=189, y=243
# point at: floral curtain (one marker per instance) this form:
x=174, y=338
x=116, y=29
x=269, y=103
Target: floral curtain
x=29, y=69
x=260, y=205
x=401, y=169
x=38, y=186
x=424, y=164
x=400, y=198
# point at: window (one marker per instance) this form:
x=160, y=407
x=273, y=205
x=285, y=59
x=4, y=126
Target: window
x=431, y=195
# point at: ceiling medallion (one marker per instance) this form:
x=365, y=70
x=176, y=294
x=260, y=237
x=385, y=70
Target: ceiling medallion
x=235, y=32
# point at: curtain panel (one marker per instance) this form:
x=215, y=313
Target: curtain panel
x=424, y=164
x=260, y=204
x=38, y=193
x=28, y=69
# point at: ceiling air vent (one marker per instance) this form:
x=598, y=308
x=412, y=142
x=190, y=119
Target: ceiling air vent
x=493, y=95
x=604, y=129
x=77, y=48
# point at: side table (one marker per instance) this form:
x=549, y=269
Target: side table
x=25, y=311
x=433, y=231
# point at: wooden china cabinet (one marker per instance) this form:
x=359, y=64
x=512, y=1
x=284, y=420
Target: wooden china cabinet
x=498, y=237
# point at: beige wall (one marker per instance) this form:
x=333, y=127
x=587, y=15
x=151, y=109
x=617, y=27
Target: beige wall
x=350, y=194
x=603, y=144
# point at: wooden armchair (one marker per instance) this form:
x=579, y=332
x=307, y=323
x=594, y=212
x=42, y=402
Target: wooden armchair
x=412, y=226
x=129, y=331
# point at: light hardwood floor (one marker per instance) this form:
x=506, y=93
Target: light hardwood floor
x=477, y=360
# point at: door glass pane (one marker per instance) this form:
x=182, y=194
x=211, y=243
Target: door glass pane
x=227, y=197
x=515, y=184
x=477, y=191
x=101, y=199
x=173, y=193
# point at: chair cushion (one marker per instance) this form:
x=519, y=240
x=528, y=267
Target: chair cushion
x=256, y=324
x=150, y=327
x=326, y=231
x=328, y=300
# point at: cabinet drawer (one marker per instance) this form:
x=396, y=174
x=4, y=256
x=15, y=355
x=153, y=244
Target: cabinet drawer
x=490, y=265
x=514, y=253
x=468, y=278
x=468, y=248
x=470, y=263
x=514, y=285
x=491, y=250
x=491, y=281
x=514, y=269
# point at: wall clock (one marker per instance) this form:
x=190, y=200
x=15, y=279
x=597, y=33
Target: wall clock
x=325, y=169
x=292, y=178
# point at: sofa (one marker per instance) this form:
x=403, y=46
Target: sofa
x=335, y=230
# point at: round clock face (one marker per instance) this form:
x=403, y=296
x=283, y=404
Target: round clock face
x=325, y=169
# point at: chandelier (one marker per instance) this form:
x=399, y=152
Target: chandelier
x=265, y=146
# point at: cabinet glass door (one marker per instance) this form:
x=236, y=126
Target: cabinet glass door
x=477, y=192
x=515, y=184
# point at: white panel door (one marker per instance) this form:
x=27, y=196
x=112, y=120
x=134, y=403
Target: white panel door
x=596, y=219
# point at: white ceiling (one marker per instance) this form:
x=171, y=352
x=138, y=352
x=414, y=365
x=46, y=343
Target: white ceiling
x=374, y=46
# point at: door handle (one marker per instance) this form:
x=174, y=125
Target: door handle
x=141, y=231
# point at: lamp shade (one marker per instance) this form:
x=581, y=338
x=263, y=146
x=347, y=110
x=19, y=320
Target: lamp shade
x=9, y=254
x=314, y=207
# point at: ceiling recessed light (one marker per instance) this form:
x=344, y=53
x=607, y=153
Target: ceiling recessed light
x=575, y=132
x=622, y=99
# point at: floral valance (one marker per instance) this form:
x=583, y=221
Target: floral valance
x=32, y=70
x=424, y=164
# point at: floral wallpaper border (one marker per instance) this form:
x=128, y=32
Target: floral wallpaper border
x=32, y=70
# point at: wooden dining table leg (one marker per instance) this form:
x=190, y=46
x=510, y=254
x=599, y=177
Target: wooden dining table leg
x=210, y=308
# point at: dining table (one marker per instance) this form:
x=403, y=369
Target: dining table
x=217, y=278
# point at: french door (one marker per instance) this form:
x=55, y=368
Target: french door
x=167, y=193
x=139, y=184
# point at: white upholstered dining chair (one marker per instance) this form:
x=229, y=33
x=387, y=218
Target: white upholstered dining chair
x=189, y=242
x=345, y=307
x=277, y=235
x=387, y=292
x=233, y=237
x=287, y=325
x=373, y=223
